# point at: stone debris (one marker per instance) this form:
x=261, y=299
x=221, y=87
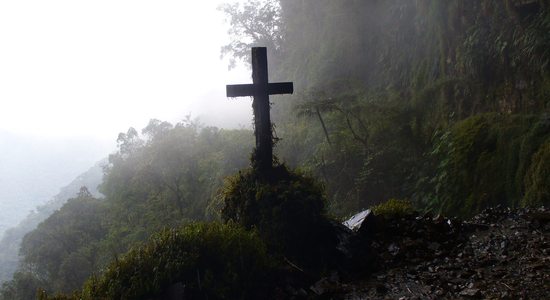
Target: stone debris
x=326, y=284
x=501, y=253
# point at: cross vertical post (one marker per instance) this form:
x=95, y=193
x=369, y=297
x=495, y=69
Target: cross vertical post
x=260, y=90
x=261, y=106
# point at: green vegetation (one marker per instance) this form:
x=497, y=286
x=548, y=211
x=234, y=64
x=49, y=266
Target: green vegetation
x=537, y=180
x=393, y=208
x=388, y=89
x=68, y=238
x=24, y=285
x=162, y=180
x=287, y=209
x=11, y=240
x=490, y=159
x=212, y=261
x=445, y=103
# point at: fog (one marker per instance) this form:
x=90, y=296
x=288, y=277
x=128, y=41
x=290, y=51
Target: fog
x=33, y=169
x=73, y=74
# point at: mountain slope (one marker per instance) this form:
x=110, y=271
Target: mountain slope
x=11, y=241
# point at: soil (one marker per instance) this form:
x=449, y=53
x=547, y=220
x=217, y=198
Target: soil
x=501, y=253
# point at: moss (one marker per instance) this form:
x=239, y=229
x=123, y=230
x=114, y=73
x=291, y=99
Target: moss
x=393, y=208
x=287, y=210
x=485, y=160
x=537, y=180
x=212, y=261
x=544, y=92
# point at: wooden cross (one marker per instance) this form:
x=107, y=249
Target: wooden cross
x=260, y=90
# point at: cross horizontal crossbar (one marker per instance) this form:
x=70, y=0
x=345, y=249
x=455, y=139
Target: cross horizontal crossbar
x=243, y=90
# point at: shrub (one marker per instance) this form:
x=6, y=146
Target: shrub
x=211, y=261
x=393, y=208
x=537, y=180
x=490, y=159
x=287, y=209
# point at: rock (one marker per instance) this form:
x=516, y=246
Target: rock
x=325, y=284
x=468, y=292
x=496, y=254
x=356, y=221
x=434, y=246
x=393, y=249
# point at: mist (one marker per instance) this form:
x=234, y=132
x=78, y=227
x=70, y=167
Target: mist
x=33, y=169
x=400, y=111
x=74, y=75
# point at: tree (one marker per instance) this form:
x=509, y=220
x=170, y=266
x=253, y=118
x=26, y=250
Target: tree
x=256, y=23
x=128, y=142
x=23, y=286
x=70, y=234
x=84, y=193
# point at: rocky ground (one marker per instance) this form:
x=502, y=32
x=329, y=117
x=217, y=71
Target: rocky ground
x=500, y=254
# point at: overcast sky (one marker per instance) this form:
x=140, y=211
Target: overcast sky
x=94, y=68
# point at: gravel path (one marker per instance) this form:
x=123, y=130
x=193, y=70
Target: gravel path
x=500, y=254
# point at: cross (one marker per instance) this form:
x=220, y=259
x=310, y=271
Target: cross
x=260, y=90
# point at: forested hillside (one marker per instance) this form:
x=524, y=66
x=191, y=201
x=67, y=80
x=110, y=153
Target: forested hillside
x=444, y=105
x=161, y=178
x=30, y=173
x=387, y=90
x=11, y=240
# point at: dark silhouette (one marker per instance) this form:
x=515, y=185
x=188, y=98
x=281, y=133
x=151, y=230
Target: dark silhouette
x=260, y=90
